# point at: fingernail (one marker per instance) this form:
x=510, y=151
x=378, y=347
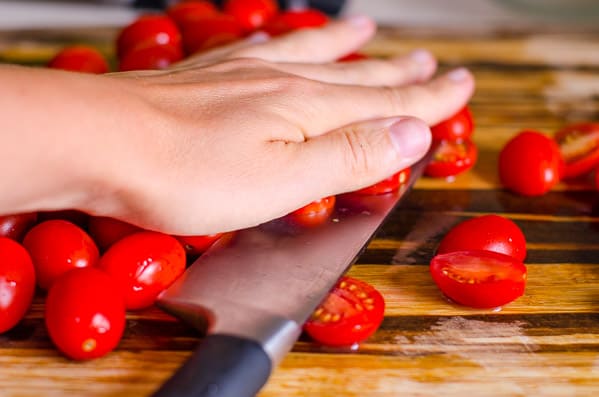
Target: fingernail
x=258, y=38
x=458, y=75
x=359, y=21
x=411, y=138
x=421, y=56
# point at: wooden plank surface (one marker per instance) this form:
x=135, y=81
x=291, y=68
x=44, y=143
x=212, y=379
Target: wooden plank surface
x=544, y=344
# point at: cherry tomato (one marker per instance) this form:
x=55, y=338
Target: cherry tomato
x=315, y=213
x=191, y=9
x=196, y=245
x=295, y=19
x=107, y=231
x=57, y=246
x=150, y=58
x=351, y=313
x=85, y=314
x=479, y=279
x=458, y=126
x=204, y=33
x=143, y=265
x=530, y=164
x=15, y=226
x=452, y=158
x=391, y=184
x=579, y=146
x=77, y=217
x=17, y=283
x=597, y=179
x=79, y=59
x=251, y=14
x=354, y=56
x=148, y=31
x=488, y=233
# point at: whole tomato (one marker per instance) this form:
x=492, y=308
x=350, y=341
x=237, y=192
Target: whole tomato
x=295, y=19
x=191, y=9
x=530, y=164
x=251, y=14
x=57, y=246
x=17, y=283
x=154, y=57
x=212, y=31
x=106, y=231
x=15, y=226
x=148, y=31
x=85, y=314
x=143, y=265
x=80, y=59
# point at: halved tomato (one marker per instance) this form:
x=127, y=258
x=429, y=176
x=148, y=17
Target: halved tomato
x=351, y=313
x=579, y=146
x=479, y=279
x=458, y=126
x=315, y=213
x=452, y=158
x=388, y=185
x=196, y=245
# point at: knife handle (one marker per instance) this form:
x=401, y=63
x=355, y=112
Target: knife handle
x=222, y=366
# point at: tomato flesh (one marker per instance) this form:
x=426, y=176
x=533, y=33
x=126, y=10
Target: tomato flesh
x=391, y=184
x=79, y=59
x=479, y=279
x=452, y=158
x=350, y=314
x=315, y=213
x=15, y=226
x=579, y=146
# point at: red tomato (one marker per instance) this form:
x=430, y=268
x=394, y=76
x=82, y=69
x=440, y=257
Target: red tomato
x=452, y=158
x=391, y=184
x=143, y=265
x=354, y=56
x=107, y=231
x=17, y=283
x=487, y=233
x=351, y=313
x=150, y=58
x=458, y=126
x=57, y=246
x=85, y=314
x=597, y=179
x=148, y=31
x=315, y=213
x=196, y=245
x=79, y=59
x=579, y=146
x=191, y=9
x=288, y=21
x=77, y=217
x=479, y=279
x=530, y=164
x=15, y=226
x=251, y=14
x=204, y=33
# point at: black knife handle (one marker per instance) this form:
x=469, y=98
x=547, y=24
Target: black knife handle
x=222, y=366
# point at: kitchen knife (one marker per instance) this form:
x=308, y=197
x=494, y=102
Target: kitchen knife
x=252, y=294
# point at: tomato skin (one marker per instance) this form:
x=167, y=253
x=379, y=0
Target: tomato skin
x=251, y=14
x=15, y=226
x=57, y=246
x=204, y=33
x=452, y=158
x=196, y=245
x=85, y=314
x=79, y=59
x=530, y=164
x=143, y=265
x=106, y=231
x=579, y=146
x=17, y=283
x=458, y=126
x=313, y=214
x=350, y=314
x=354, y=56
x=185, y=10
x=288, y=21
x=488, y=233
x=479, y=279
x=391, y=184
x=148, y=31
x=150, y=58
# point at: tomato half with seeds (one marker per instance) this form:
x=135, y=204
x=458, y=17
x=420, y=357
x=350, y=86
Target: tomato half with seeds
x=106, y=231
x=251, y=14
x=147, y=31
x=15, y=226
x=458, y=126
x=579, y=146
x=80, y=59
x=85, y=314
x=391, y=184
x=291, y=20
x=315, y=213
x=479, y=279
x=452, y=158
x=351, y=313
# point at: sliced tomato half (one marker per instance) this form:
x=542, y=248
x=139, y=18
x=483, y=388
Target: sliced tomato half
x=391, y=184
x=452, y=158
x=579, y=146
x=315, y=213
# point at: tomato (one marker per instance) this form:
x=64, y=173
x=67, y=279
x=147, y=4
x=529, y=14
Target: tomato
x=15, y=226
x=57, y=246
x=479, y=279
x=204, y=33
x=191, y=9
x=452, y=158
x=315, y=213
x=488, y=233
x=106, y=231
x=17, y=283
x=391, y=184
x=597, y=179
x=351, y=313
x=143, y=265
x=579, y=146
x=77, y=217
x=295, y=19
x=85, y=314
x=150, y=58
x=354, y=56
x=530, y=164
x=148, y=31
x=196, y=245
x=251, y=14
x=458, y=126
x=80, y=59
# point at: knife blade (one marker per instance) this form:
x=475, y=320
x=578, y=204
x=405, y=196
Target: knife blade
x=251, y=295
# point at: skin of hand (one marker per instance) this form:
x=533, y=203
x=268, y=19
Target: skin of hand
x=224, y=140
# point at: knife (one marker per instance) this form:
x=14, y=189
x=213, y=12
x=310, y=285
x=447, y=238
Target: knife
x=252, y=294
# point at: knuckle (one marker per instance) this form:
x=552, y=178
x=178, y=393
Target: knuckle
x=357, y=151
